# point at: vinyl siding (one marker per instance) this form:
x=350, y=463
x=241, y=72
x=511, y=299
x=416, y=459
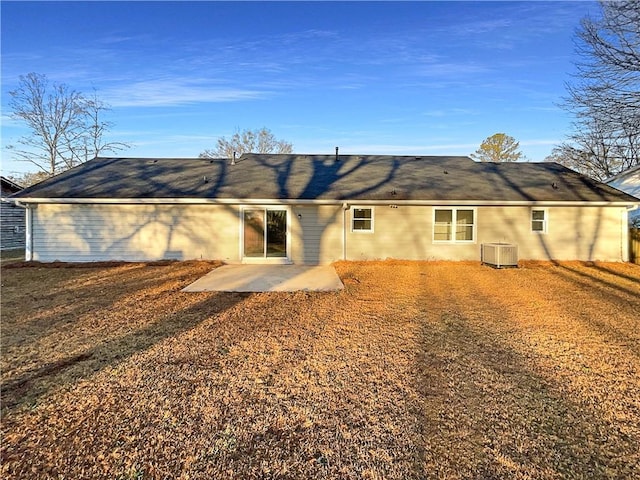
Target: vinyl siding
x=135, y=232
x=403, y=233
x=316, y=234
x=150, y=232
x=12, y=226
x=574, y=233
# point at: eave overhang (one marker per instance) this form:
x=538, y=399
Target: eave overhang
x=271, y=201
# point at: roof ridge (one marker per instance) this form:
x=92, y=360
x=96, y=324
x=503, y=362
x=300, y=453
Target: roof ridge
x=158, y=158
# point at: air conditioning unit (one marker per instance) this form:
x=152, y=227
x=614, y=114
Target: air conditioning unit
x=499, y=255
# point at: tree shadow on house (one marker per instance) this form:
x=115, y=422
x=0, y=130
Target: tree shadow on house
x=548, y=186
x=582, y=233
x=326, y=177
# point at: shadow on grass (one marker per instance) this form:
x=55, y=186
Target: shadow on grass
x=28, y=387
x=631, y=278
x=43, y=299
x=488, y=413
x=588, y=279
x=96, y=300
x=621, y=299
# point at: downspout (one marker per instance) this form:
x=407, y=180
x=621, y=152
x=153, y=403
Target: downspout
x=28, y=221
x=345, y=207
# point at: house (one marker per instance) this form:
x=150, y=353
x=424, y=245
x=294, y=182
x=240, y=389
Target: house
x=12, y=227
x=316, y=209
x=629, y=182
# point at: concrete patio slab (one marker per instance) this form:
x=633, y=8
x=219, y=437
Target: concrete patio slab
x=268, y=278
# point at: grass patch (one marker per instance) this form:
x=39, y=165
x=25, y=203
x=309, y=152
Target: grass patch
x=414, y=370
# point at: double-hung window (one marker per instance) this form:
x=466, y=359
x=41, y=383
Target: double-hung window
x=454, y=225
x=539, y=221
x=362, y=219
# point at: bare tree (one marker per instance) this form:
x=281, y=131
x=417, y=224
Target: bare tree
x=595, y=153
x=65, y=127
x=248, y=141
x=28, y=178
x=499, y=147
x=92, y=143
x=605, y=95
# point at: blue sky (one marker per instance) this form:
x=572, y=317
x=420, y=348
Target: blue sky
x=372, y=78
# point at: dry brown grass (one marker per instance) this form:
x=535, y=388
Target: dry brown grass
x=415, y=370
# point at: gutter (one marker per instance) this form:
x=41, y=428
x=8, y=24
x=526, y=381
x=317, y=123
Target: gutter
x=270, y=201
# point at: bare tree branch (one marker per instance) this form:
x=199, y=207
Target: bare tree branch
x=248, y=141
x=605, y=94
x=65, y=127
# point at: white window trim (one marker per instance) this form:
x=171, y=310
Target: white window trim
x=545, y=224
x=453, y=220
x=373, y=215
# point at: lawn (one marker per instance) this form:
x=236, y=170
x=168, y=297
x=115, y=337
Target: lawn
x=416, y=370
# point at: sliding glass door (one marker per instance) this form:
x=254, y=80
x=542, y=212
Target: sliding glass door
x=264, y=233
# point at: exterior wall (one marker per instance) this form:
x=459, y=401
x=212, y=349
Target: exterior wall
x=12, y=226
x=574, y=233
x=405, y=232
x=82, y=233
x=316, y=234
x=151, y=232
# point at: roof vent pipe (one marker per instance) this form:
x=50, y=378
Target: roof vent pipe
x=337, y=159
x=233, y=159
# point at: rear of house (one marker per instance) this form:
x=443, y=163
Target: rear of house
x=316, y=209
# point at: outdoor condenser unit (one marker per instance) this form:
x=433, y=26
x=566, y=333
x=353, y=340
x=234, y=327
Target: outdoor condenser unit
x=499, y=254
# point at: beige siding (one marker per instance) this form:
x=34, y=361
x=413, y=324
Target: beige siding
x=405, y=232
x=574, y=233
x=147, y=232
x=135, y=232
x=316, y=234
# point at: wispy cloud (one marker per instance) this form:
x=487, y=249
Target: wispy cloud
x=406, y=149
x=175, y=91
x=539, y=142
x=8, y=121
x=452, y=69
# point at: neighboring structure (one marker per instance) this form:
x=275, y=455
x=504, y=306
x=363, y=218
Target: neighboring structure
x=12, y=226
x=629, y=182
x=315, y=209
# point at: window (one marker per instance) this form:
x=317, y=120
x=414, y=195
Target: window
x=264, y=233
x=453, y=225
x=539, y=221
x=362, y=220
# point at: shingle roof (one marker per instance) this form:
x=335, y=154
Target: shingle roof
x=322, y=177
x=9, y=185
